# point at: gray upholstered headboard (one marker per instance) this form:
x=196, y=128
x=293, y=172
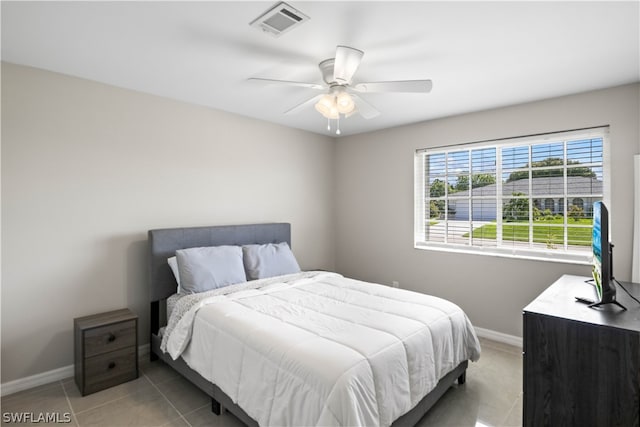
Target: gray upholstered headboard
x=163, y=244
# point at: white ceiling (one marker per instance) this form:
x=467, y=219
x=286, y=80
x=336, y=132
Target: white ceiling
x=479, y=55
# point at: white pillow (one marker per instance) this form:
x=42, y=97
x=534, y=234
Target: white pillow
x=206, y=268
x=173, y=264
x=272, y=259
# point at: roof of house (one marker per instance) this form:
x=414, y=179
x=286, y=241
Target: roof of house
x=543, y=187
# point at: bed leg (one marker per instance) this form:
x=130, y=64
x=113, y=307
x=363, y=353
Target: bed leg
x=215, y=407
x=154, y=326
x=462, y=378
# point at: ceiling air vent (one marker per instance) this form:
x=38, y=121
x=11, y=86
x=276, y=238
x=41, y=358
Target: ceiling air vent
x=279, y=19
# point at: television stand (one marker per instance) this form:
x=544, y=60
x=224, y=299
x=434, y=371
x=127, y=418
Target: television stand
x=600, y=304
x=611, y=295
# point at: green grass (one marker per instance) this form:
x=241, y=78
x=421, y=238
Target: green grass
x=543, y=232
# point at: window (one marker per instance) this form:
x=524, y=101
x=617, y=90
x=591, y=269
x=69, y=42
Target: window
x=524, y=197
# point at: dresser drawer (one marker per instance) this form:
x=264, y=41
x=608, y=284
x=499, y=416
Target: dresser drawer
x=109, y=369
x=110, y=337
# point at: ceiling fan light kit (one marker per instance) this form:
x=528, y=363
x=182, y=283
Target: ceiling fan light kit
x=338, y=73
x=336, y=102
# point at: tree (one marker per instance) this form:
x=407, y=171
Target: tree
x=581, y=171
x=437, y=188
x=462, y=184
x=482, y=179
x=552, y=161
x=575, y=212
x=477, y=180
x=434, y=209
x=516, y=209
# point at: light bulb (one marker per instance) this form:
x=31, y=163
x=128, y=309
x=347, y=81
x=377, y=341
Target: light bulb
x=344, y=103
x=325, y=105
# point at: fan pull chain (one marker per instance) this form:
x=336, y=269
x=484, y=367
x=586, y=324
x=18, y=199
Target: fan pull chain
x=328, y=124
x=338, y=125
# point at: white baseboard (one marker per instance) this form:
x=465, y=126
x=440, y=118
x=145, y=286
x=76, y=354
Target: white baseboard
x=36, y=380
x=65, y=372
x=499, y=337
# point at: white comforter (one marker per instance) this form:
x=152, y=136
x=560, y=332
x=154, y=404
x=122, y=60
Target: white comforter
x=320, y=349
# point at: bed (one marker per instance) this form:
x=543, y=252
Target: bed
x=282, y=351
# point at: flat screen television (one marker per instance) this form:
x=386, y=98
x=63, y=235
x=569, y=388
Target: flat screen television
x=602, y=257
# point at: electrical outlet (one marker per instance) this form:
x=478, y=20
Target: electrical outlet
x=395, y=284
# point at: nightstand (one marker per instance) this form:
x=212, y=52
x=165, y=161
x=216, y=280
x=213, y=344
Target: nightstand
x=105, y=349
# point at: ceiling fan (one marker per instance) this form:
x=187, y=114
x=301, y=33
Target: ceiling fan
x=340, y=98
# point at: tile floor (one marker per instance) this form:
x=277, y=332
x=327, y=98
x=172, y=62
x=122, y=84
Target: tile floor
x=492, y=396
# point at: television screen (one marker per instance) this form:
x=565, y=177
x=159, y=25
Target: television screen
x=603, y=258
x=597, y=248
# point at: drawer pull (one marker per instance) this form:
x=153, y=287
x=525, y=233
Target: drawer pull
x=112, y=365
x=111, y=338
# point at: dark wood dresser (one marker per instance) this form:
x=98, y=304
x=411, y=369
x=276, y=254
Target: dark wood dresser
x=581, y=366
x=106, y=350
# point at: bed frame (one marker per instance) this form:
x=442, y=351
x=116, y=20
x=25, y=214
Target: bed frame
x=163, y=244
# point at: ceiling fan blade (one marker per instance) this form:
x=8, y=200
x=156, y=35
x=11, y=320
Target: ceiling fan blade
x=346, y=63
x=365, y=109
x=407, y=86
x=286, y=83
x=303, y=105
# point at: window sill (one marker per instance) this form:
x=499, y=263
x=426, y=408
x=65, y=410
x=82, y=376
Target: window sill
x=576, y=259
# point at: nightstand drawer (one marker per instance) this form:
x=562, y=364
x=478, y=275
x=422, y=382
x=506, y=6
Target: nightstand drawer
x=109, y=369
x=110, y=337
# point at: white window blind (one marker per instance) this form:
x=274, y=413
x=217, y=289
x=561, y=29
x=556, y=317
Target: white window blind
x=526, y=197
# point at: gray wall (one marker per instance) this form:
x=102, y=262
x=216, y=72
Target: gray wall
x=88, y=168
x=374, y=204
